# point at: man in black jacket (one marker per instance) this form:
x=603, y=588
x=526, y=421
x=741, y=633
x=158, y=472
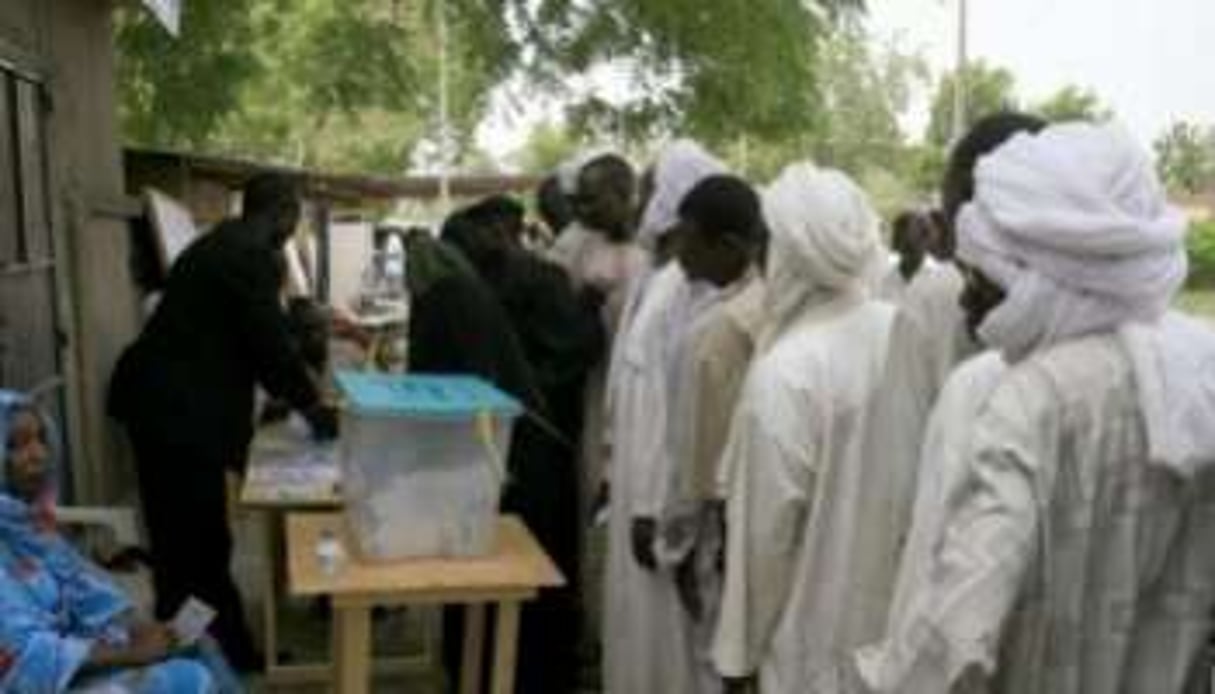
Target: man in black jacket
x=185, y=391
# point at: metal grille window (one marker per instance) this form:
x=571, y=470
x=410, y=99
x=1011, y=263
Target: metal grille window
x=30, y=341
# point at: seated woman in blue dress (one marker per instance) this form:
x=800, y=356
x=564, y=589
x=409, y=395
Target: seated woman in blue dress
x=64, y=627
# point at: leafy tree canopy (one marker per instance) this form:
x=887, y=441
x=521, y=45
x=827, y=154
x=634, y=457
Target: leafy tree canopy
x=989, y=89
x=345, y=85
x=1185, y=155
x=1073, y=103
x=713, y=69
x=352, y=83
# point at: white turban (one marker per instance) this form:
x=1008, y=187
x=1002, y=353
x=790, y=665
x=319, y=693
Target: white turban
x=681, y=165
x=824, y=239
x=1074, y=225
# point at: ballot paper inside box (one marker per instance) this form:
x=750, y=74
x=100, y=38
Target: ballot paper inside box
x=423, y=463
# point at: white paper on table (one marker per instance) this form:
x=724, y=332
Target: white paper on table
x=285, y=463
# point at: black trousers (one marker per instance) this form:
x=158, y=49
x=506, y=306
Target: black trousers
x=185, y=508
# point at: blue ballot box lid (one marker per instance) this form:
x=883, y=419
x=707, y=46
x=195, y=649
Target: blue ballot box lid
x=423, y=396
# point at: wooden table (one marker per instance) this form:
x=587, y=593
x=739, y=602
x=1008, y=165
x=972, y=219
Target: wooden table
x=513, y=574
x=276, y=505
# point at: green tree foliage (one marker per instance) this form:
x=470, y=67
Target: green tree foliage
x=1072, y=103
x=924, y=166
x=352, y=82
x=863, y=93
x=547, y=146
x=176, y=91
x=989, y=89
x=863, y=90
x=340, y=85
x=711, y=69
x=1185, y=156
x=1200, y=246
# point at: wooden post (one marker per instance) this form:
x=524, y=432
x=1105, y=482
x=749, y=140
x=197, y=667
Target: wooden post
x=321, y=223
x=270, y=584
x=506, y=647
x=473, y=654
x=352, y=648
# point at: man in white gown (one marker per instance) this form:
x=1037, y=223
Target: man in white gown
x=909, y=238
x=646, y=638
x=723, y=235
x=1075, y=556
x=796, y=433
x=602, y=258
x=944, y=471
x=599, y=251
x=928, y=340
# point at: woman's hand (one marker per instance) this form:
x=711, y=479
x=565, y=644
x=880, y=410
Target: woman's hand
x=152, y=642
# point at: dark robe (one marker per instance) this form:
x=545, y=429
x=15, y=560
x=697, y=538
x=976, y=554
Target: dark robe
x=458, y=326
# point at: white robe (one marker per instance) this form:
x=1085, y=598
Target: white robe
x=891, y=285
x=708, y=371
x=716, y=356
x=647, y=647
x=591, y=260
x=1067, y=562
x=927, y=341
x=942, y=472
x=796, y=438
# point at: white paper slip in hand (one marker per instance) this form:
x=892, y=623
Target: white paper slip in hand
x=191, y=621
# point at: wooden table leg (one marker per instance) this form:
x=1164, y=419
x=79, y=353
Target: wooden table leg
x=473, y=652
x=270, y=587
x=352, y=648
x=506, y=648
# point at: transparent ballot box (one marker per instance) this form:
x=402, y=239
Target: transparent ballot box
x=423, y=463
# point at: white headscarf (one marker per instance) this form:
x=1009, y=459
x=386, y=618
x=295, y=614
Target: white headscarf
x=1074, y=225
x=824, y=238
x=681, y=165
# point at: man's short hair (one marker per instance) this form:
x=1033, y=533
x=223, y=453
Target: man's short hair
x=268, y=192
x=725, y=206
x=494, y=209
x=553, y=205
x=616, y=171
x=907, y=222
x=983, y=138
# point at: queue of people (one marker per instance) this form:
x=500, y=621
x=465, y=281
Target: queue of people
x=978, y=461
x=981, y=465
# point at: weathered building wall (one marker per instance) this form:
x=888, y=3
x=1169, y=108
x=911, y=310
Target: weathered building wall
x=69, y=44
x=91, y=205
